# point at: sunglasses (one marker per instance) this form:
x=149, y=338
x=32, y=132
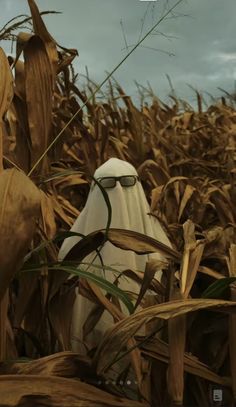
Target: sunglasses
x=125, y=181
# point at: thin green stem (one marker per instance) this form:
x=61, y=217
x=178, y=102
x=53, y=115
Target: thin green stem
x=101, y=84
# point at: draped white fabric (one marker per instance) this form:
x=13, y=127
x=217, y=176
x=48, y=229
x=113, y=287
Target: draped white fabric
x=129, y=211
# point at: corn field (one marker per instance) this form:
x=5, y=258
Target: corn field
x=186, y=160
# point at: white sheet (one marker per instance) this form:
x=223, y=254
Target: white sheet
x=129, y=211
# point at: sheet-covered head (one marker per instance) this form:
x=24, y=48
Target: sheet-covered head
x=129, y=206
x=115, y=167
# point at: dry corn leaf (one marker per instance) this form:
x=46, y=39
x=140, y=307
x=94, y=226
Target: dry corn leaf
x=208, y=271
x=190, y=244
x=69, y=181
x=19, y=390
x=20, y=79
x=39, y=93
x=138, y=276
x=60, y=212
x=155, y=197
x=177, y=340
x=139, y=243
x=26, y=290
x=158, y=349
x=66, y=205
x=152, y=266
x=232, y=260
x=223, y=206
x=63, y=364
x=192, y=255
x=41, y=30
x=6, y=84
x=18, y=150
x=188, y=193
x=175, y=372
x=60, y=309
x=108, y=305
x=194, y=262
x=47, y=215
x=118, y=336
x=19, y=209
x=150, y=168
x=6, y=95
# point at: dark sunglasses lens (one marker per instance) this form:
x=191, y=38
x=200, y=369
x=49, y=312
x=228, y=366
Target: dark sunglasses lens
x=128, y=181
x=107, y=182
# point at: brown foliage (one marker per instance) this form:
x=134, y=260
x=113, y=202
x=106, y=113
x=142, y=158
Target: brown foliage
x=186, y=162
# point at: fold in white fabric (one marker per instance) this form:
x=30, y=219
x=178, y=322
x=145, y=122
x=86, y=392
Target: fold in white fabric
x=129, y=211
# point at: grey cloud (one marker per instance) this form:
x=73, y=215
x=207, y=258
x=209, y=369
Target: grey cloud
x=204, y=48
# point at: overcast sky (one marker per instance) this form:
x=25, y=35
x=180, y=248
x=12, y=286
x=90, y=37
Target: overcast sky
x=198, y=49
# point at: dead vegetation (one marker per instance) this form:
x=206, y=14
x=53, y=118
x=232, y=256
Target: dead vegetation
x=186, y=161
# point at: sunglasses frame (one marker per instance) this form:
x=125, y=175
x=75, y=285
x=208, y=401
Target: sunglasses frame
x=135, y=177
